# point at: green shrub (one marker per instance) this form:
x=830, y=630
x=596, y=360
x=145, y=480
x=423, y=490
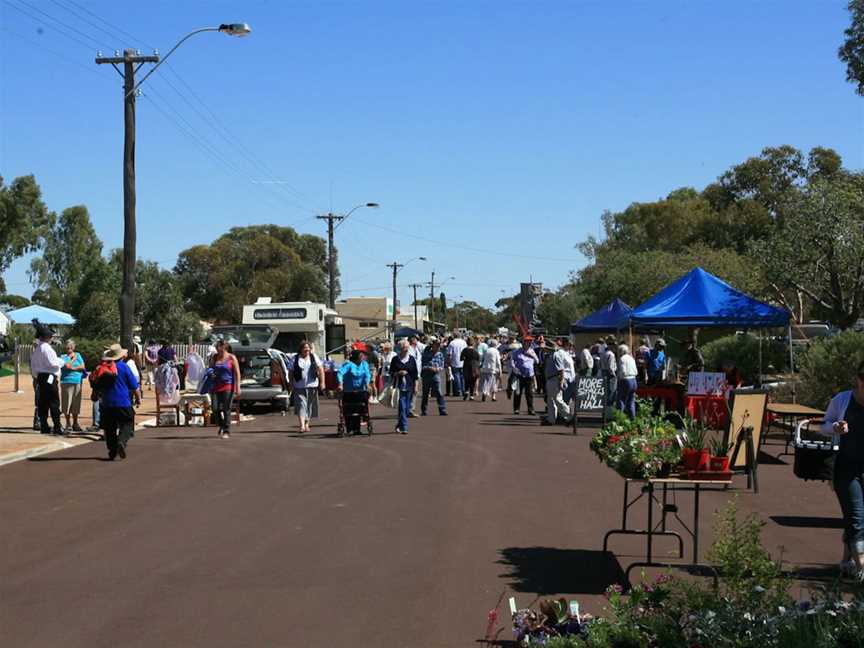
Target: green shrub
x=743, y=352
x=829, y=367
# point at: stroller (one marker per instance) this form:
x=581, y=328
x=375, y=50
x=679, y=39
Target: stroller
x=353, y=413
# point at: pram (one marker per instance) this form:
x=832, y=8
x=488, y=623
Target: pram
x=353, y=413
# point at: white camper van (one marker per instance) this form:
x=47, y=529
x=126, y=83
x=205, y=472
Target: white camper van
x=295, y=322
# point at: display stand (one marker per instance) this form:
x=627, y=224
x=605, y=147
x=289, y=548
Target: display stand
x=677, y=484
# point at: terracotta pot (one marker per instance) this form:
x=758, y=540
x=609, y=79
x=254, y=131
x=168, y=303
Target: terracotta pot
x=695, y=459
x=720, y=464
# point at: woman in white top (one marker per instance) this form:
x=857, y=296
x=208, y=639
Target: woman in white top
x=490, y=370
x=387, y=355
x=627, y=373
x=307, y=374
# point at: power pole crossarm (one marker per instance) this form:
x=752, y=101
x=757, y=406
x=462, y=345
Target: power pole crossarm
x=331, y=260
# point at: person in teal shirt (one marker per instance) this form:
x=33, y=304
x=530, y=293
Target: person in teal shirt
x=354, y=375
x=71, y=377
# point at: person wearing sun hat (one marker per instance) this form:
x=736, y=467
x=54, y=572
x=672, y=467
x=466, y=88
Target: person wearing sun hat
x=117, y=412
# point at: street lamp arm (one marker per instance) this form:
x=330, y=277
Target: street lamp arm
x=352, y=210
x=234, y=30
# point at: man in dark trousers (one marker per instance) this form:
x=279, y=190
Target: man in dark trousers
x=45, y=367
x=118, y=415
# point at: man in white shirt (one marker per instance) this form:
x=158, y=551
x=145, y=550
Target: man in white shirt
x=556, y=369
x=45, y=367
x=415, y=350
x=454, y=352
x=586, y=361
x=627, y=372
x=609, y=370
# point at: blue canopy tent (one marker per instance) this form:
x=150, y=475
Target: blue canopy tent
x=614, y=316
x=42, y=313
x=699, y=299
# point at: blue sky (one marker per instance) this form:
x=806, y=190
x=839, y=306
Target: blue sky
x=503, y=127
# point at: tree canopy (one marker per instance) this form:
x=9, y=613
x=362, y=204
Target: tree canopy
x=782, y=226
x=852, y=50
x=23, y=219
x=250, y=262
x=70, y=245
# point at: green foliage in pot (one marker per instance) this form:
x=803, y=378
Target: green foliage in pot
x=639, y=448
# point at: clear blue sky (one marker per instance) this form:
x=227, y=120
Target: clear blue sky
x=501, y=126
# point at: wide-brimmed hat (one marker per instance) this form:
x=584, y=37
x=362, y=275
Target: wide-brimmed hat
x=136, y=339
x=42, y=330
x=660, y=342
x=514, y=345
x=114, y=352
x=166, y=354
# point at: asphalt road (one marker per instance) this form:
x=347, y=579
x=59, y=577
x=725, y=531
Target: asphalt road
x=276, y=539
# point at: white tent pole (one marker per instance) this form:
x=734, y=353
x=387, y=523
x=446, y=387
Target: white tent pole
x=759, y=381
x=792, y=364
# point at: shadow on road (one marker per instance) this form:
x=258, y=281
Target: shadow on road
x=808, y=522
x=68, y=459
x=545, y=570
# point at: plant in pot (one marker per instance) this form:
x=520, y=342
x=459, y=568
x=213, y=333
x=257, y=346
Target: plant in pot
x=720, y=455
x=695, y=454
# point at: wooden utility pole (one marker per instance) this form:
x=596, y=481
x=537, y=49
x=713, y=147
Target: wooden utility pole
x=415, y=286
x=331, y=260
x=132, y=61
x=432, y=300
x=395, y=267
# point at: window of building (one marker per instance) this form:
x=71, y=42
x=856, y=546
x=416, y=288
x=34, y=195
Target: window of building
x=368, y=324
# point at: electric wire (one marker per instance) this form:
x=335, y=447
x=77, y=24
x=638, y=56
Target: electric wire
x=41, y=23
x=62, y=24
x=277, y=188
x=451, y=245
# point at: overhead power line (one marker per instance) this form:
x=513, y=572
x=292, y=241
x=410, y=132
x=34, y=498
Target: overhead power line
x=450, y=244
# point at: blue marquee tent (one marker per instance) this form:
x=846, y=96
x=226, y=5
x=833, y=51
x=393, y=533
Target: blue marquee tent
x=700, y=299
x=614, y=316
x=42, y=313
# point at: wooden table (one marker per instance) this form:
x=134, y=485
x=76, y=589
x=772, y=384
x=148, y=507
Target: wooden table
x=677, y=484
x=791, y=412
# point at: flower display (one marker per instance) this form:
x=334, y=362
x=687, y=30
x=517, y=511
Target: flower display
x=644, y=447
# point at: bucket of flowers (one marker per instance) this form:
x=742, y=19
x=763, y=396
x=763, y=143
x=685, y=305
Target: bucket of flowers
x=639, y=448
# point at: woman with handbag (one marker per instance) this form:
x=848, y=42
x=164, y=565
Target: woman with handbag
x=403, y=375
x=307, y=373
x=844, y=420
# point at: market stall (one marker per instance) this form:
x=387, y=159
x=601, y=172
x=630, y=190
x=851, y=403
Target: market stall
x=701, y=300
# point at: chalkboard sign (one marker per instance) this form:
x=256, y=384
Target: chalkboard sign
x=589, y=395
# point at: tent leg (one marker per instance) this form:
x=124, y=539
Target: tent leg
x=759, y=379
x=792, y=364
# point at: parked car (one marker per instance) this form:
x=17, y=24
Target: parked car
x=264, y=376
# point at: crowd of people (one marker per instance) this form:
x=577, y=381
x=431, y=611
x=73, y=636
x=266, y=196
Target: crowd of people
x=420, y=369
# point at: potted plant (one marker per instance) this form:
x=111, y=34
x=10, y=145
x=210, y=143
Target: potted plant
x=719, y=455
x=695, y=454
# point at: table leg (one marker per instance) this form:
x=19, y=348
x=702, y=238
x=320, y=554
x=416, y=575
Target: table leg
x=624, y=510
x=663, y=518
x=696, y=525
x=650, y=530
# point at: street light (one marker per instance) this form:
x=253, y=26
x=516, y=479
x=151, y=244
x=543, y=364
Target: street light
x=432, y=296
x=396, y=267
x=132, y=61
x=331, y=261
